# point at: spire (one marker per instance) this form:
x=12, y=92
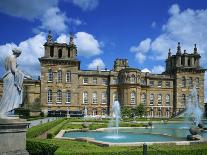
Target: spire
x=195, y=49
x=49, y=37
x=169, y=53
x=71, y=39
x=178, y=48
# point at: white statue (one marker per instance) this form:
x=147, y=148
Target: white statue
x=12, y=85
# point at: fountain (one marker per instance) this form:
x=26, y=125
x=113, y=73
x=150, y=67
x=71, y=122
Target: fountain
x=193, y=108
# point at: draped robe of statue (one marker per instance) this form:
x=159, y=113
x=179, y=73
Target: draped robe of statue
x=12, y=87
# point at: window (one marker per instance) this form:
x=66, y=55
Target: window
x=133, y=98
x=183, y=100
x=59, y=96
x=94, y=99
x=85, y=97
x=85, y=80
x=159, y=98
x=143, y=81
x=114, y=80
x=59, y=76
x=197, y=82
x=94, y=80
x=151, y=99
x=104, y=98
x=167, y=84
x=151, y=83
x=167, y=99
x=51, y=51
x=189, y=62
x=59, y=53
x=191, y=82
x=68, y=76
x=104, y=81
x=143, y=98
x=159, y=112
x=49, y=96
x=103, y=112
x=133, y=79
x=50, y=76
x=115, y=97
x=159, y=83
x=168, y=112
x=95, y=112
x=68, y=97
x=183, y=82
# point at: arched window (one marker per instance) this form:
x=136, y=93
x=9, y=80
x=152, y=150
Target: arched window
x=115, y=96
x=95, y=112
x=85, y=97
x=68, y=97
x=49, y=96
x=183, y=82
x=68, y=76
x=197, y=82
x=167, y=99
x=59, y=53
x=59, y=96
x=143, y=98
x=50, y=75
x=133, y=98
x=68, y=53
x=189, y=62
x=190, y=82
x=103, y=98
x=59, y=76
x=94, y=98
x=159, y=98
x=151, y=99
x=51, y=51
x=103, y=112
x=132, y=79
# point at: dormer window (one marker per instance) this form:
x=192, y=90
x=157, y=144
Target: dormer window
x=51, y=51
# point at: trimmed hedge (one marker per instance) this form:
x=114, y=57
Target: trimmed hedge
x=52, y=132
x=35, y=147
x=40, y=129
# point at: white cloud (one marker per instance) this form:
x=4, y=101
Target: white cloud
x=63, y=38
x=53, y=19
x=145, y=70
x=158, y=69
x=32, y=49
x=140, y=57
x=96, y=63
x=153, y=25
x=86, y=4
x=174, y=9
x=87, y=45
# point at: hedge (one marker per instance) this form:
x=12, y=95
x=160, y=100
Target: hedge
x=53, y=131
x=35, y=147
x=40, y=129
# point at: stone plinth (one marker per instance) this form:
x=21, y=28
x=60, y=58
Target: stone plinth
x=13, y=137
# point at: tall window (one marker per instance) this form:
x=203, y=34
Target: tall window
x=94, y=80
x=183, y=82
x=85, y=80
x=133, y=79
x=94, y=99
x=159, y=112
x=51, y=51
x=68, y=76
x=49, y=96
x=104, y=81
x=95, y=112
x=183, y=100
x=103, y=98
x=103, y=112
x=159, y=98
x=197, y=82
x=133, y=98
x=143, y=81
x=143, y=98
x=50, y=76
x=68, y=97
x=167, y=84
x=151, y=84
x=190, y=82
x=115, y=97
x=115, y=80
x=167, y=99
x=59, y=96
x=59, y=76
x=159, y=83
x=85, y=97
x=151, y=99
x=59, y=53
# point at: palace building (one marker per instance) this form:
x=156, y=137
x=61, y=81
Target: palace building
x=63, y=86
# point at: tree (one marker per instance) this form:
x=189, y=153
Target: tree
x=140, y=110
x=126, y=112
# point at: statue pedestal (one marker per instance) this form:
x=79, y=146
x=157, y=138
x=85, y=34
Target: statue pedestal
x=13, y=136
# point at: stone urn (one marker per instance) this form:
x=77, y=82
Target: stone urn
x=194, y=131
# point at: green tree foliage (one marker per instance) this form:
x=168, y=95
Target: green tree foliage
x=126, y=112
x=140, y=110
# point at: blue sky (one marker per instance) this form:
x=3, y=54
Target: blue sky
x=140, y=30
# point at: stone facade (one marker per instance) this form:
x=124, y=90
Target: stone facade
x=64, y=87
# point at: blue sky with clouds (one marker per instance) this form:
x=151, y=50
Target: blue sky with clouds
x=140, y=30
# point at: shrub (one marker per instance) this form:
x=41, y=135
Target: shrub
x=23, y=113
x=42, y=114
x=40, y=129
x=39, y=148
